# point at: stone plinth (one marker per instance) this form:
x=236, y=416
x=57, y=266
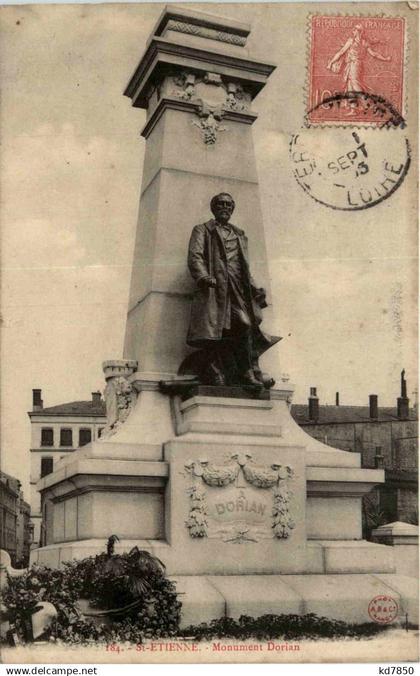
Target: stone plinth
x=151, y=469
x=220, y=508
x=93, y=497
x=207, y=508
x=397, y=533
x=225, y=392
x=404, y=537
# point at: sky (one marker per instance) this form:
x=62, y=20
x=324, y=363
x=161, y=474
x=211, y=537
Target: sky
x=343, y=284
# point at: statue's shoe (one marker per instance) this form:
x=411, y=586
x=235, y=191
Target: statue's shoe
x=216, y=378
x=264, y=378
x=249, y=381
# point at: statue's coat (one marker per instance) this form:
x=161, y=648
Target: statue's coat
x=207, y=257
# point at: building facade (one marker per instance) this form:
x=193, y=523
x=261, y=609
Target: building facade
x=24, y=533
x=386, y=437
x=15, y=524
x=55, y=432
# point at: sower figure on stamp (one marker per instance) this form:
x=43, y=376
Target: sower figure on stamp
x=353, y=53
x=226, y=309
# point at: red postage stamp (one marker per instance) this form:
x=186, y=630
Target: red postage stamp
x=356, y=68
x=383, y=609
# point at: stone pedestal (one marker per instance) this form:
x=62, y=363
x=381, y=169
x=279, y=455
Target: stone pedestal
x=248, y=518
x=235, y=509
x=404, y=537
x=249, y=514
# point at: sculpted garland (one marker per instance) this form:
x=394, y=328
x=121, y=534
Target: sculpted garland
x=274, y=477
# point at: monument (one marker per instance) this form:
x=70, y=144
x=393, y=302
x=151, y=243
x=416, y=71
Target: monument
x=201, y=462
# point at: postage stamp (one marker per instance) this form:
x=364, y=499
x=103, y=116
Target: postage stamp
x=351, y=54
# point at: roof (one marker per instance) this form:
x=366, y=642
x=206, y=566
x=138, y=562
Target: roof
x=327, y=414
x=83, y=408
x=10, y=482
x=347, y=414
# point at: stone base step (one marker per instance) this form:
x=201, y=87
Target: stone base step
x=339, y=597
x=323, y=557
x=344, y=594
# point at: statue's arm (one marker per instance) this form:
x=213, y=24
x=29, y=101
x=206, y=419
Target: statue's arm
x=197, y=263
x=339, y=54
x=377, y=55
x=258, y=293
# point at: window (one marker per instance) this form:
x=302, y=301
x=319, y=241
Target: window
x=85, y=436
x=46, y=466
x=100, y=431
x=47, y=436
x=66, y=437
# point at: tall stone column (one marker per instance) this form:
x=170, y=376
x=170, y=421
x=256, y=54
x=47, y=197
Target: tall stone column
x=197, y=84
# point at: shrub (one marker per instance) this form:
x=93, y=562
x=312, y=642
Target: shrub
x=287, y=627
x=132, y=586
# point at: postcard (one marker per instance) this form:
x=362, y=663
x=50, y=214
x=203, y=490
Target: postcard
x=209, y=340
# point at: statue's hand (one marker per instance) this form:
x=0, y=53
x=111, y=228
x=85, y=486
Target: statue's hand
x=260, y=297
x=206, y=282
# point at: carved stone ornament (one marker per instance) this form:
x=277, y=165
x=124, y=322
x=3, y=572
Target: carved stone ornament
x=213, y=97
x=236, y=98
x=246, y=501
x=197, y=522
x=204, y=32
x=209, y=123
x=119, y=394
x=184, y=85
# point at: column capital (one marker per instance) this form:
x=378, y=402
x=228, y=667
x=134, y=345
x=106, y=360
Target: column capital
x=191, y=22
x=198, y=44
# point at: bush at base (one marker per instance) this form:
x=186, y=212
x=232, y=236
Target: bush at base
x=130, y=593
x=287, y=627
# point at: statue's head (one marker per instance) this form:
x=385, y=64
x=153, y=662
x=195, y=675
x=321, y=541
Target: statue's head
x=222, y=206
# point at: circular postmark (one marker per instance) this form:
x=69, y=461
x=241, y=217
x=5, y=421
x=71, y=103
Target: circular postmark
x=351, y=166
x=349, y=169
x=383, y=609
x=361, y=108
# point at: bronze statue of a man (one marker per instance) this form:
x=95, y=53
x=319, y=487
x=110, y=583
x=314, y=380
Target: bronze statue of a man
x=226, y=308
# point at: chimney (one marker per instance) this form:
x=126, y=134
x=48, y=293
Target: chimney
x=403, y=385
x=313, y=403
x=373, y=406
x=337, y=398
x=403, y=401
x=37, y=403
x=96, y=398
